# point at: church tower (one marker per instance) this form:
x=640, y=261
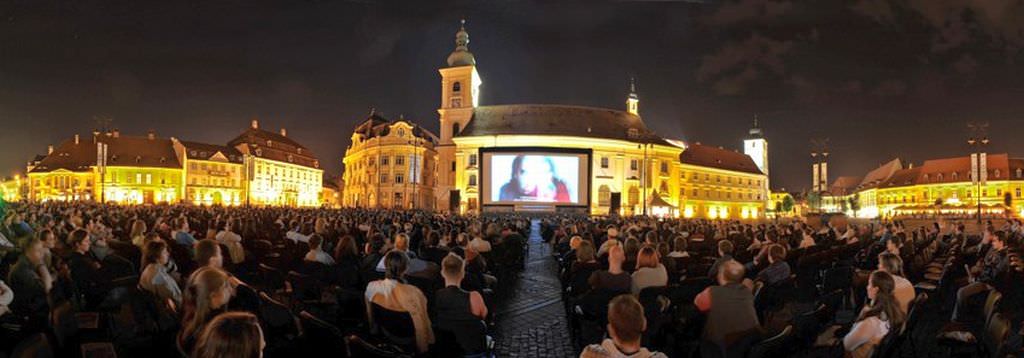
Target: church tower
x=633, y=101
x=460, y=94
x=756, y=147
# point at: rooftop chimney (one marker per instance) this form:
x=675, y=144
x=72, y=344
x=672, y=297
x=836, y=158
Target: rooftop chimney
x=151, y=135
x=76, y=139
x=117, y=133
x=284, y=132
x=255, y=124
x=49, y=149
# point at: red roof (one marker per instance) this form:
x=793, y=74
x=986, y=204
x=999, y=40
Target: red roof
x=714, y=157
x=958, y=169
x=844, y=185
x=880, y=174
x=273, y=146
x=121, y=151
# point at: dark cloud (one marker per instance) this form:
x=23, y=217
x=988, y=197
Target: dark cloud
x=735, y=65
x=739, y=11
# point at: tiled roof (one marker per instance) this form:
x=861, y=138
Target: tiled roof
x=958, y=169
x=708, y=156
x=561, y=120
x=880, y=174
x=121, y=151
x=902, y=177
x=844, y=185
x=273, y=146
x=204, y=151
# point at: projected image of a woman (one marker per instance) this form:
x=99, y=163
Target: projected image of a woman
x=533, y=179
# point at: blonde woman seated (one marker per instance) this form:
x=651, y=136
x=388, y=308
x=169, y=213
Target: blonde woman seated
x=394, y=295
x=649, y=271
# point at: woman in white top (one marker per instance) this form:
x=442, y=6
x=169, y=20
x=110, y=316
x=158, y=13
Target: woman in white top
x=138, y=233
x=155, y=278
x=649, y=271
x=316, y=253
x=881, y=315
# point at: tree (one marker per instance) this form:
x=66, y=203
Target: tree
x=787, y=203
x=778, y=207
x=855, y=203
x=814, y=199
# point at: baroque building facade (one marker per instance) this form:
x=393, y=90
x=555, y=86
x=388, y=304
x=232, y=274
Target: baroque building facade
x=390, y=164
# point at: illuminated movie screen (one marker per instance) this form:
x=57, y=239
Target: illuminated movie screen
x=528, y=177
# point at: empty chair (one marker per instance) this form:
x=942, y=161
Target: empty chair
x=396, y=326
x=320, y=337
x=774, y=346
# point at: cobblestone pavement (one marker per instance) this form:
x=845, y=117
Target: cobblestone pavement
x=531, y=319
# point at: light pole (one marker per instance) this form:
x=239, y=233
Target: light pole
x=977, y=142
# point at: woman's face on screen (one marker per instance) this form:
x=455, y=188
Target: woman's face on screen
x=536, y=172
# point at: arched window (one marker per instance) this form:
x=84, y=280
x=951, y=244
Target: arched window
x=457, y=86
x=997, y=173
x=455, y=129
x=604, y=196
x=1019, y=172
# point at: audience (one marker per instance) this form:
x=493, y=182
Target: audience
x=155, y=278
x=207, y=294
x=626, y=326
x=316, y=253
x=879, y=316
x=985, y=273
x=903, y=290
x=732, y=323
x=231, y=335
x=649, y=271
x=614, y=279
x=392, y=294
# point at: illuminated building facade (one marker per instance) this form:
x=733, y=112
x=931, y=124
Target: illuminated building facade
x=631, y=169
x=214, y=174
x=279, y=171
x=390, y=164
x=942, y=187
x=13, y=189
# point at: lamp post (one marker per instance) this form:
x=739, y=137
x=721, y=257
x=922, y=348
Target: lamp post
x=978, y=141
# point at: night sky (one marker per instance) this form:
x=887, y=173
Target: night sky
x=880, y=79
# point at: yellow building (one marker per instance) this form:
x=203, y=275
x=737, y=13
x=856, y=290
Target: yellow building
x=331, y=194
x=390, y=164
x=279, y=171
x=13, y=189
x=630, y=167
x=214, y=174
x=134, y=170
x=942, y=187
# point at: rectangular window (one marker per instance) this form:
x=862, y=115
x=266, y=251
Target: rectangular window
x=138, y=178
x=472, y=180
x=664, y=168
x=633, y=164
x=472, y=160
x=453, y=165
x=694, y=192
x=604, y=162
x=149, y=178
x=384, y=160
x=399, y=160
x=399, y=178
x=383, y=178
x=456, y=102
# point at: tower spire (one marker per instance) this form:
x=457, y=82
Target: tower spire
x=461, y=55
x=755, y=131
x=633, y=101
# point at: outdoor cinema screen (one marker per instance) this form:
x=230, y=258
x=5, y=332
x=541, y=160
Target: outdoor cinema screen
x=535, y=177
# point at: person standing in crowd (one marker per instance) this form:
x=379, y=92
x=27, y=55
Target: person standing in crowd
x=626, y=326
x=155, y=278
x=231, y=335
x=881, y=315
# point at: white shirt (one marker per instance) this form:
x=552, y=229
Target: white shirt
x=904, y=292
x=480, y=245
x=870, y=330
x=320, y=256
x=296, y=236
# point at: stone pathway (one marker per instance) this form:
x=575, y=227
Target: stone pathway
x=531, y=319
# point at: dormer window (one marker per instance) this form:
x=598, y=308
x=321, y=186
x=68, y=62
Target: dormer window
x=939, y=176
x=955, y=175
x=299, y=150
x=457, y=87
x=259, y=152
x=401, y=132
x=270, y=143
x=926, y=178
x=1019, y=173
x=193, y=153
x=290, y=158
x=163, y=159
x=316, y=164
x=138, y=159
x=633, y=133
x=996, y=173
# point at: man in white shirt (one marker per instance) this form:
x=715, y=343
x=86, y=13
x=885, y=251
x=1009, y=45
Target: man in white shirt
x=316, y=253
x=295, y=235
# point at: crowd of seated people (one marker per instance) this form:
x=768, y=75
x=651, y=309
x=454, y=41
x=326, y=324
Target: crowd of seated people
x=814, y=287
x=185, y=281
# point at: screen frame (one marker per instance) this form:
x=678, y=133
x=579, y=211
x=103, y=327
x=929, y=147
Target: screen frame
x=485, y=173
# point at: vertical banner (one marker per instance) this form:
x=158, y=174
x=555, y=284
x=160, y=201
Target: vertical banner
x=974, y=168
x=824, y=176
x=983, y=168
x=815, y=182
